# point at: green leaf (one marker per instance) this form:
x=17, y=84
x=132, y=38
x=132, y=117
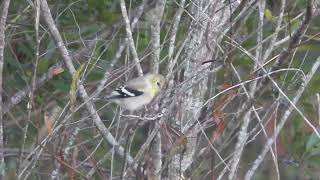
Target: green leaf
x=94, y=76
x=313, y=161
x=43, y=66
x=313, y=140
x=61, y=85
x=9, y=60
x=17, y=81
x=91, y=4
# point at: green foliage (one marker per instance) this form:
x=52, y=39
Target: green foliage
x=298, y=141
x=105, y=11
x=143, y=39
x=61, y=82
x=314, y=86
x=94, y=76
x=43, y=66
x=313, y=144
x=304, y=147
x=301, y=3
x=79, y=20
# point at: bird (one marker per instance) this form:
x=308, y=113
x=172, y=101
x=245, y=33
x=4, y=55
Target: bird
x=137, y=92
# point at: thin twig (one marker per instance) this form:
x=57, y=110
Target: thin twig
x=130, y=38
x=283, y=120
x=3, y=18
x=58, y=67
x=243, y=136
x=82, y=92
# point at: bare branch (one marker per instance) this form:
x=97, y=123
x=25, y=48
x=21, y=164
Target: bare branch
x=130, y=38
x=83, y=94
x=3, y=18
x=283, y=120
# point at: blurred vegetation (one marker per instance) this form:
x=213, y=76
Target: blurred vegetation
x=299, y=156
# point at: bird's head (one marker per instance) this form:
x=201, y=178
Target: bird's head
x=157, y=81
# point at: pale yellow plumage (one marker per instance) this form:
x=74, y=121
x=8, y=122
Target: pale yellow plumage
x=138, y=92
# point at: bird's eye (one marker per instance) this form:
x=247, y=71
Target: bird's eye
x=158, y=84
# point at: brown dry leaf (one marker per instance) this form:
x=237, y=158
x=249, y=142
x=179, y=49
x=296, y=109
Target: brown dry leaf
x=55, y=71
x=218, y=114
x=270, y=127
x=48, y=123
x=72, y=162
x=173, y=142
x=217, y=132
x=166, y=140
x=224, y=99
x=171, y=137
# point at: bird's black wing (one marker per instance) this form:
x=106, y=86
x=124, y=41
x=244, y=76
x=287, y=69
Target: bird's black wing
x=125, y=92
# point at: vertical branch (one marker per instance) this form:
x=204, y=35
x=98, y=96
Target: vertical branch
x=154, y=18
x=30, y=105
x=35, y=64
x=243, y=134
x=173, y=34
x=130, y=38
x=3, y=18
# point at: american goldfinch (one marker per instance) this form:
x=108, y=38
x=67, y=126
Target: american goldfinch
x=137, y=92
